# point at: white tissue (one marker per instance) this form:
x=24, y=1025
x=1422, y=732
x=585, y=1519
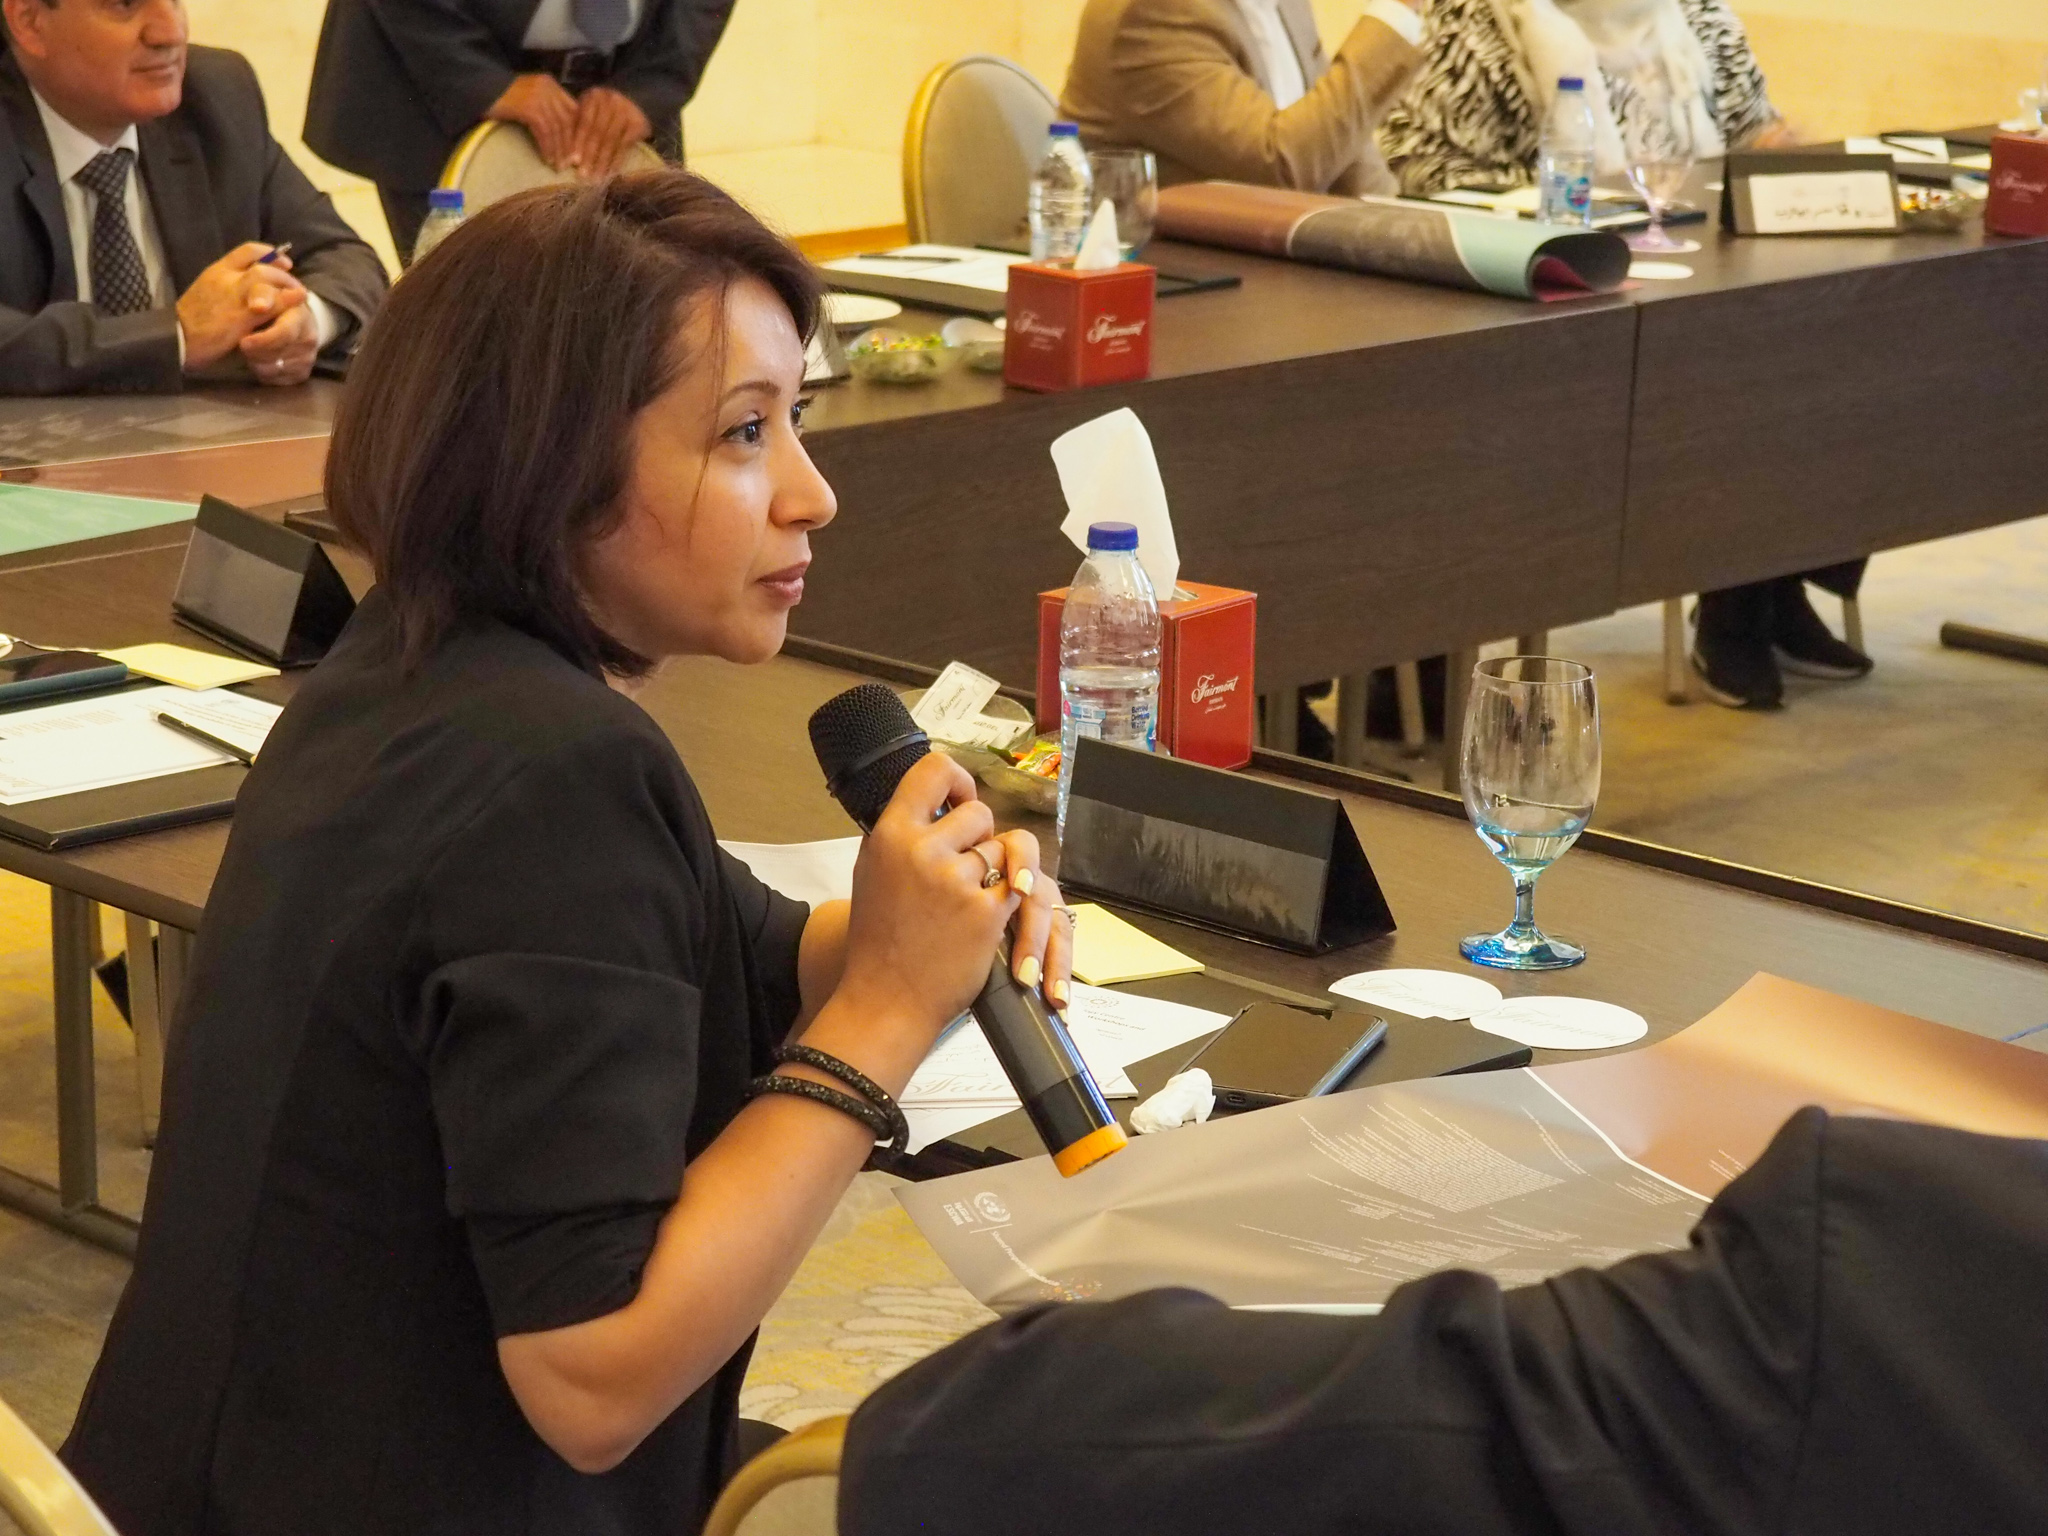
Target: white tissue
x=1187, y=1096
x=1099, y=250
x=1109, y=475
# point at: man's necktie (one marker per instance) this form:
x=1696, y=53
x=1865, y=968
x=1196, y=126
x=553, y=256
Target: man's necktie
x=603, y=23
x=120, y=283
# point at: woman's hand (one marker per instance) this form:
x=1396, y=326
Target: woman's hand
x=924, y=926
x=1042, y=950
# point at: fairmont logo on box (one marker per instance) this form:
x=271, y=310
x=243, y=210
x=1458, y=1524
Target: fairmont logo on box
x=1207, y=688
x=1106, y=328
x=2011, y=181
x=1028, y=324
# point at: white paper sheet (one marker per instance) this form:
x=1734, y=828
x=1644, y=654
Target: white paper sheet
x=1110, y=1029
x=232, y=717
x=810, y=872
x=959, y=265
x=91, y=743
x=1906, y=149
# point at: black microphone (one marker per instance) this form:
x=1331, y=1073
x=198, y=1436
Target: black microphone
x=866, y=741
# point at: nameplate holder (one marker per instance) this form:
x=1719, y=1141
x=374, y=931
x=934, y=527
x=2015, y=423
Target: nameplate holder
x=259, y=589
x=1796, y=193
x=1258, y=860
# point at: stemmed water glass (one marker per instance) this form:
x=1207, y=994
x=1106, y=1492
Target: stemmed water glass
x=1531, y=775
x=1660, y=138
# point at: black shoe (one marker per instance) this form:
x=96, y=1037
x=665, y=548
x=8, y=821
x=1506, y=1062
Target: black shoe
x=1804, y=645
x=1734, y=663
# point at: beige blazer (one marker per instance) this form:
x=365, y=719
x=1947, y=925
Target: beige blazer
x=1183, y=79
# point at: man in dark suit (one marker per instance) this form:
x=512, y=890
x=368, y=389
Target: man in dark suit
x=1854, y=1344
x=140, y=190
x=397, y=83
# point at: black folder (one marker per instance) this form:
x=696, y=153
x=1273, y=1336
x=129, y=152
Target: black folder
x=146, y=805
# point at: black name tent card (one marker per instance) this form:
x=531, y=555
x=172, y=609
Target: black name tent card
x=1788, y=192
x=1263, y=861
x=259, y=589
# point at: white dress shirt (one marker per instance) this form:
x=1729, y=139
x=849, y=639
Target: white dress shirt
x=1276, y=48
x=553, y=28
x=72, y=150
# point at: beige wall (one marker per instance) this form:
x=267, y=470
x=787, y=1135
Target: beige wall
x=802, y=109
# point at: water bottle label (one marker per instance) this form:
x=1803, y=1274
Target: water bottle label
x=1578, y=194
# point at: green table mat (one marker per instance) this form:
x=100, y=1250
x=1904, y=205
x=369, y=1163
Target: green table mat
x=38, y=516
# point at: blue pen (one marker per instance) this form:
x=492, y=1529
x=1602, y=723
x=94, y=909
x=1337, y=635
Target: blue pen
x=275, y=255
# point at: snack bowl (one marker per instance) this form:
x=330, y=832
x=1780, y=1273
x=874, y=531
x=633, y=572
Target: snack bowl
x=889, y=357
x=1032, y=791
x=1936, y=210
x=979, y=343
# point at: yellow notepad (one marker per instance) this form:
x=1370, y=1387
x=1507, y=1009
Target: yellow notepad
x=1108, y=950
x=187, y=668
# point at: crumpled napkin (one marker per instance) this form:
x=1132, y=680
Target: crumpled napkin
x=1187, y=1096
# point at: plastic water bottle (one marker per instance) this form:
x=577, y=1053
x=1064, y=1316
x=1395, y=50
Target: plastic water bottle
x=1109, y=651
x=1062, y=189
x=444, y=214
x=1564, y=162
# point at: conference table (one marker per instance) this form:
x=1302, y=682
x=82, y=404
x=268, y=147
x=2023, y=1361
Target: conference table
x=1400, y=470
x=1669, y=934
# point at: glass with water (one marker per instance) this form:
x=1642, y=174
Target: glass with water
x=1531, y=772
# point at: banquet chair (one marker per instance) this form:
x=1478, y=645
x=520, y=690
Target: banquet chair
x=790, y=1489
x=494, y=160
x=38, y=1491
x=976, y=132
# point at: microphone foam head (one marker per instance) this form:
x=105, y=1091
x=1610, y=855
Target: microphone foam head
x=865, y=741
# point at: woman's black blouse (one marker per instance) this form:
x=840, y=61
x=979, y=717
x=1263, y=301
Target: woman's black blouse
x=475, y=983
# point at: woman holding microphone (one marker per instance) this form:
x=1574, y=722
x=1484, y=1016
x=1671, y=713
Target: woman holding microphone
x=462, y=1215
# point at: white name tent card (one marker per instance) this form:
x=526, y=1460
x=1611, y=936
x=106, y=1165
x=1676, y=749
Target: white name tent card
x=1787, y=193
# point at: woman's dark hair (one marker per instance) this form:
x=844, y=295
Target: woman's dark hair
x=484, y=441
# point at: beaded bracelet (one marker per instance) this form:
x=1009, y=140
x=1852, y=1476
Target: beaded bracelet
x=850, y=1075
x=897, y=1136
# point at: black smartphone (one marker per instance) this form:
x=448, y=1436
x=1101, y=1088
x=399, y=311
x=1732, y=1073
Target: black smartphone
x=1273, y=1054
x=27, y=673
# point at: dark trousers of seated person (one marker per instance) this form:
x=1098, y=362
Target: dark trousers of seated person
x=1747, y=633
x=404, y=212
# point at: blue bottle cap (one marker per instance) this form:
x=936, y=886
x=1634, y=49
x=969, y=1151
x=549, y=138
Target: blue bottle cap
x=1570, y=83
x=1114, y=536
x=1065, y=130
x=445, y=200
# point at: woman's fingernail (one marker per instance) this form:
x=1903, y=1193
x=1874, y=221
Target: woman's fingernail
x=1056, y=989
x=1022, y=881
x=1028, y=971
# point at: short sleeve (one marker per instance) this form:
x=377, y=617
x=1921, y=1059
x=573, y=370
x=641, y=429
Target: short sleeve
x=559, y=1018
x=773, y=925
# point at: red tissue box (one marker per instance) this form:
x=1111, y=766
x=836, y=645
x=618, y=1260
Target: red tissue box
x=1206, y=708
x=1068, y=329
x=2018, y=204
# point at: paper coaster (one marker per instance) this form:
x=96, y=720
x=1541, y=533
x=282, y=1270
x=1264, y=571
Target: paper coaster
x=1422, y=994
x=1562, y=1023
x=1659, y=271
